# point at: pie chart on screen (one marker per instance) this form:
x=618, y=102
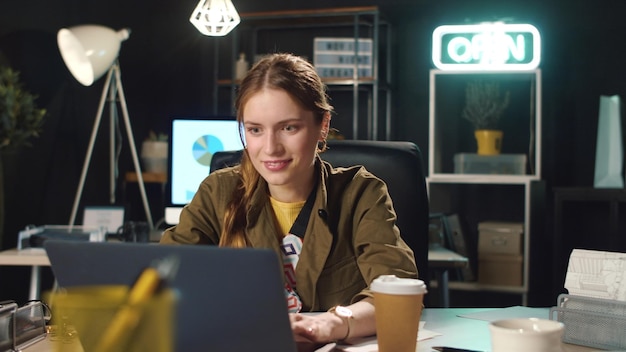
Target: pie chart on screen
x=204, y=148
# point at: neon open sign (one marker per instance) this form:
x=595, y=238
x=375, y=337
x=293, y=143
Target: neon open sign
x=486, y=46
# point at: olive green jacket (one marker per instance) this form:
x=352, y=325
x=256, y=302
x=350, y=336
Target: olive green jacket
x=350, y=240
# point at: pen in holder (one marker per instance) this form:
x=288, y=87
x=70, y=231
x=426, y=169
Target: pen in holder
x=121, y=318
x=91, y=310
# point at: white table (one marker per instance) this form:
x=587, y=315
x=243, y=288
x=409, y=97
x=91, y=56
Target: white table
x=469, y=333
x=440, y=261
x=459, y=332
x=33, y=257
x=455, y=331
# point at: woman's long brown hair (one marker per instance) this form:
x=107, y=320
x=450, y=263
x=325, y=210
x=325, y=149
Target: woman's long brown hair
x=299, y=79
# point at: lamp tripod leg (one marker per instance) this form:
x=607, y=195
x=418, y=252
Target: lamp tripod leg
x=113, y=155
x=133, y=149
x=92, y=140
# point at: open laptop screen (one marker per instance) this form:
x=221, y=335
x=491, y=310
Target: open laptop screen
x=193, y=141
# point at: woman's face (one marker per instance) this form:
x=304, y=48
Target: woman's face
x=281, y=139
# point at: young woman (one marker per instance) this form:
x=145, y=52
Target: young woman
x=333, y=228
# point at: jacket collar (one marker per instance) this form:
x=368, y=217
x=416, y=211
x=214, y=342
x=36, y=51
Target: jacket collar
x=315, y=254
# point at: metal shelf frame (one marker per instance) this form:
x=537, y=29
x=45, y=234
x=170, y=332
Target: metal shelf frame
x=346, y=17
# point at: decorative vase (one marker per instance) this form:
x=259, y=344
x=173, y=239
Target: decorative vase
x=154, y=156
x=489, y=141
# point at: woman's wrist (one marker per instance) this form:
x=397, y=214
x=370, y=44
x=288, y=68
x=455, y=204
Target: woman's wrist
x=345, y=316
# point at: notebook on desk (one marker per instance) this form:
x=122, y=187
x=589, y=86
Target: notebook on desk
x=193, y=141
x=228, y=299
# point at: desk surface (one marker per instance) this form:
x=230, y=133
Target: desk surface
x=440, y=257
x=455, y=331
x=467, y=332
x=437, y=257
x=25, y=257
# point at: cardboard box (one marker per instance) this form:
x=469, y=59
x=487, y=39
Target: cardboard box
x=496, y=237
x=500, y=269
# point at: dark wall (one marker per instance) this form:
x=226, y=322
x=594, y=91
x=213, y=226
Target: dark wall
x=167, y=70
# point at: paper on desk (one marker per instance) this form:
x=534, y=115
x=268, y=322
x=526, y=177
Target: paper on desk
x=597, y=274
x=368, y=344
x=508, y=313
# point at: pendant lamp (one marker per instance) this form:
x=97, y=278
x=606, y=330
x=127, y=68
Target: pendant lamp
x=215, y=17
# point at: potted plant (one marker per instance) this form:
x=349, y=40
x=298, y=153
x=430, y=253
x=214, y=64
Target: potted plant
x=484, y=105
x=20, y=120
x=154, y=152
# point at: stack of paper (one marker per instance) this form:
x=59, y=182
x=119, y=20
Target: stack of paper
x=597, y=274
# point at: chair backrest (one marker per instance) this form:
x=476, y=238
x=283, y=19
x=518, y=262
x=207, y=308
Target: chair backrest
x=400, y=165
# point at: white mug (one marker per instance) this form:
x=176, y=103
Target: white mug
x=526, y=334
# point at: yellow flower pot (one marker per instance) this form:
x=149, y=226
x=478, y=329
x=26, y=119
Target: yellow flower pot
x=489, y=142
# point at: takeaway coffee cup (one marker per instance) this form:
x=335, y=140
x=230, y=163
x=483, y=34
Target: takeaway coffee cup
x=399, y=305
x=526, y=334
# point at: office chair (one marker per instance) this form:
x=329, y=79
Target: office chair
x=399, y=164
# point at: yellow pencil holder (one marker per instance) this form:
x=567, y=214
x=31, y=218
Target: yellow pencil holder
x=83, y=314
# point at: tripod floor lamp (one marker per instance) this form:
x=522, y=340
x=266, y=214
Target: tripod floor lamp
x=90, y=51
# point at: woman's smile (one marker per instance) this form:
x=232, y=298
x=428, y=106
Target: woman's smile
x=276, y=165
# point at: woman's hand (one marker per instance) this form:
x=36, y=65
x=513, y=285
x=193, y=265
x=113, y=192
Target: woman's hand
x=328, y=327
x=320, y=328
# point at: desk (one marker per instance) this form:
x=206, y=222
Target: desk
x=440, y=260
x=27, y=257
x=456, y=332
x=468, y=333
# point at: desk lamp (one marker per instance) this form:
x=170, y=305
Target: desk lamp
x=89, y=51
x=215, y=18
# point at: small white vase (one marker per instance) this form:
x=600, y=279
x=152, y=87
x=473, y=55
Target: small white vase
x=154, y=156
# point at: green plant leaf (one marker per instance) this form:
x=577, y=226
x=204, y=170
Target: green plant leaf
x=484, y=104
x=20, y=119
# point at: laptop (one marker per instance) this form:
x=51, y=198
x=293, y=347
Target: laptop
x=193, y=141
x=228, y=299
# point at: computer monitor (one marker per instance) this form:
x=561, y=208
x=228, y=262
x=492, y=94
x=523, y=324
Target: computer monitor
x=193, y=141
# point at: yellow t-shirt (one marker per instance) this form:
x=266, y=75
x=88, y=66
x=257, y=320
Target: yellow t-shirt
x=286, y=213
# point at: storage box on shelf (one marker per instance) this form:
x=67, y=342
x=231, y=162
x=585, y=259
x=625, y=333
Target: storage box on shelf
x=503, y=164
x=500, y=269
x=500, y=260
x=496, y=237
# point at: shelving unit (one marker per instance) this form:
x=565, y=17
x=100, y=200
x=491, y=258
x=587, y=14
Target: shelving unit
x=293, y=31
x=482, y=197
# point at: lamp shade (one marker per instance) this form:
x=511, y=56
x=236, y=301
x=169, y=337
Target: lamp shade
x=89, y=50
x=215, y=17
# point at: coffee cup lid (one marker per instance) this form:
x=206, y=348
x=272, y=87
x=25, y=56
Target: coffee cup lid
x=394, y=285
